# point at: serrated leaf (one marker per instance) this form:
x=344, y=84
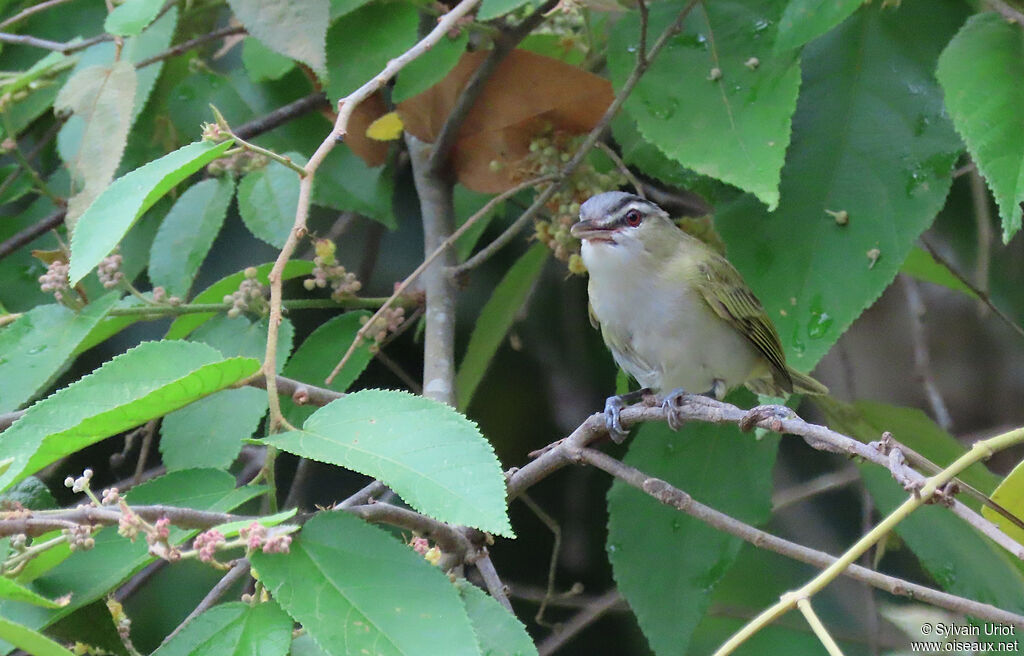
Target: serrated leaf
x=210, y=431
x=215, y=293
x=921, y=265
x=735, y=126
x=1009, y=495
x=31, y=641
x=113, y=213
x=11, y=590
x=806, y=20
x=313, y=361
x=147, y=381
x=90, y=574
x=154, y=39
x=101, y=99
x=267, y=199
x=354, y=587
x=426, y=71
x=360, y=44
x=720, y=467
x=131, y=17
x=294, y=29
x=499, y=632
x=234, y=628
x=496, y=319
x=870, y=138
x=187, y=232
x=430, y=455
x=262, y=63
x=980, y=72
x=36, y=346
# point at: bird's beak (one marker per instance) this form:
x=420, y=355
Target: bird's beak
x=588, y=230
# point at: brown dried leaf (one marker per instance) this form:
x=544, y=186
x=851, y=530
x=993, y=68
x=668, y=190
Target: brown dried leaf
x=526, y=92
x=373, y=152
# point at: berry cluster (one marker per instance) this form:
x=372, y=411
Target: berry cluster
x=242, y=162
x=549, y=152
x=109, y=270
x=328, y=272
x=249, y=297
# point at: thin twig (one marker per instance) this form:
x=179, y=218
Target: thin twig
x=980, y=293
x=346, y=106
x=412, y=277
x=819, y=629
x=42, y=521
x=492, y=581
x=239, y=571
x=812, y=488
x=591, y=140
x=34, y=9
x=447, y=537
x=32, y=232
x=983, y=222
x=181, y=48
x=147, y=442
x=623, y=169
x=1007, y=11
x=282, y=115
x=556, y=549
x=922, y=360
x=581, y=620
x=371, y=491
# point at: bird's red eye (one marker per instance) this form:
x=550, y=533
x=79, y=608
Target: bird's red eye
x=633, y=218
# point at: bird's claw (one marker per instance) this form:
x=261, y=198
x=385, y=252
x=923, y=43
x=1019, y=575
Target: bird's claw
x=774, y=414
x=671, y=406
x=612, y=409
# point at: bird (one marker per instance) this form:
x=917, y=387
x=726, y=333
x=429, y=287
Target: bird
x=675, y=314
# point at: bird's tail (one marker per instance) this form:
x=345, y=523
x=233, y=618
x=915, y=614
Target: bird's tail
x=804, y=384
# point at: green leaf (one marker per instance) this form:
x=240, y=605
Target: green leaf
x=36, y=347
x=21, y=185
x=354, y=587
x=496, y=319
x=959, y=558
x=341, y=7
x=426, y=71
x=869, y=139
x=31, y=493
x=11, y=590
x=499, y=632
x=360, y=44
x=234, y=628
x=215, y=293
x=345, y=182
x=294, y=29
x=493, y=8
x=267, y=199
x=147, y=381
x=187, y=232
x=131, y=17
x=109, y=218
x=980, y=72
x=805, y=20
x=31, y=641
x=232, y=529
x=921, y=265
x=90, y=574
x=1009, y=495
x=262, y=63
x=153, y=40
x=735, y=128
x=101, y=99
x=430, y=455
x=720, y=467
x=313, y=361
x=209, y=432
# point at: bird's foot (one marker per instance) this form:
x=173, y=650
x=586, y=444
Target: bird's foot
x=613, y=408
x=774, y=414
x=671, y=405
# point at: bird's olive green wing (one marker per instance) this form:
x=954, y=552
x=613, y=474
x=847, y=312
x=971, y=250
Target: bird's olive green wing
x=593, y=317
x=727, y=294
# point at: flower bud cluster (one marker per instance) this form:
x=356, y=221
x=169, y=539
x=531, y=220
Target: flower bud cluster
x=160, y=296
x=388, y=322
x=55, y=280
x=242, y=162
x=80, y=484
x=328, y=272
x=549, y=152
x=109, y=270
x=422, y=546
x=257, y=538
x=249, y=297
x=207, y=543
x=79, y=537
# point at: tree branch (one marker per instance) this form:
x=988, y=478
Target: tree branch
x=239, y=571
x=581, y=620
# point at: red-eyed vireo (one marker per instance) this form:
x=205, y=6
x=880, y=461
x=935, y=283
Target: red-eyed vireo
x=674, y=313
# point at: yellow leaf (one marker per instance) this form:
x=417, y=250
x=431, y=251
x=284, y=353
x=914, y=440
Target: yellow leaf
x=1009, y=495
x=385, y=128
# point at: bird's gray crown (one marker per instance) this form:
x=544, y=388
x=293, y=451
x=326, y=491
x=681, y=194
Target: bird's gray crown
x=613, y=203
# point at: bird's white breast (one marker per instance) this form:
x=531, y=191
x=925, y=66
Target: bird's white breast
x=674, y=339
